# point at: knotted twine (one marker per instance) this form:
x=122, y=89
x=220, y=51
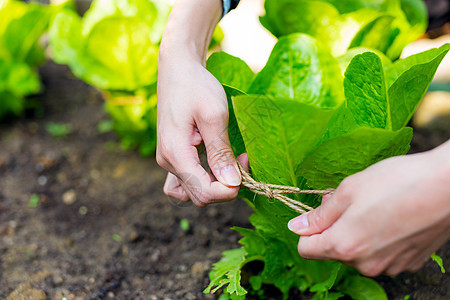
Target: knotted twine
x=274, y=191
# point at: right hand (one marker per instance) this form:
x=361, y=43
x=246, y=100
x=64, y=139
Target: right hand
x=192, y=108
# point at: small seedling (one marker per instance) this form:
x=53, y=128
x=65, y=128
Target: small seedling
x=59, y=130
x=34, y=201
x=116, y=237
x=184, y=225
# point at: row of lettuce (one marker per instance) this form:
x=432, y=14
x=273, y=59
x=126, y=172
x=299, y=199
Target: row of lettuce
x=113, y=47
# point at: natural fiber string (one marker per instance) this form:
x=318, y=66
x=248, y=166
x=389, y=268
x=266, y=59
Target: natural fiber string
x=274, y=191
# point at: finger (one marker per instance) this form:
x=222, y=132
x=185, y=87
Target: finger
x=173, y=188
x=221, y=160
x=401, y=263
x=326, y=197
x=419, y=261
x=314, y=247
x=199, y=185
x=321, y=218
x=243, y=160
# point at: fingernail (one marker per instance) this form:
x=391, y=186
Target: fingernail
x=299, y=223
x=230, y=176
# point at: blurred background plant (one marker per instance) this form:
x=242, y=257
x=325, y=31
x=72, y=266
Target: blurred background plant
x=21, y=52
x=114, y=47
x=387, y=26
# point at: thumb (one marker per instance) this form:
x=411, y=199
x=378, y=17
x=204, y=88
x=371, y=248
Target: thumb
x=221, y=158
x=319, y=219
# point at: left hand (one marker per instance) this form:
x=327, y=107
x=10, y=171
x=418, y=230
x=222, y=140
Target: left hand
x=387, y=219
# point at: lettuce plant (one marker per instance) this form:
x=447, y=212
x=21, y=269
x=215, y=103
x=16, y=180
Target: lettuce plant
x=21, y=27
x=385, y=25
x=309, y=120
x=114, y=48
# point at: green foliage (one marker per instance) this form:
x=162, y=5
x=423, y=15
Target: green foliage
x=21, y=27
x=184, y=225
x=59, y=130
x=305, y=122
x=114, y=47
x=34, y=201
x=385, y=25
x=438, y=260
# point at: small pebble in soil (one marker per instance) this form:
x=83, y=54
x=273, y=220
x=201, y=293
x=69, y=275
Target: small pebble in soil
x=133, y=236
x=199, y=268
x=83, y=210
x=57, y=280
x=94, y=174
x=155, y=255
x=42, y=180
x=69, y=197
x=182, y=268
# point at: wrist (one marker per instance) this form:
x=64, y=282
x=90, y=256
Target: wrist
x=190, y=28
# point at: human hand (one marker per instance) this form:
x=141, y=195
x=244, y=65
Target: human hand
x=387, y=219
x=192, y=108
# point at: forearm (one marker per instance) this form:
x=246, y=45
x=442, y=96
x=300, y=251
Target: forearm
x=190, y=28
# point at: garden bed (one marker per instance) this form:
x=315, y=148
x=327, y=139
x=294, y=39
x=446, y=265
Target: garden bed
x=103, y=227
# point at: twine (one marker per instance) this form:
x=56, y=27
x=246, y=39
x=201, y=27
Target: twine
x=274, y=191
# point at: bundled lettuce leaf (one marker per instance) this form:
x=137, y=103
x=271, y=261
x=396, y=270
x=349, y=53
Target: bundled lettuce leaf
x=385, y=25
x=305, y=124
x=21, y=27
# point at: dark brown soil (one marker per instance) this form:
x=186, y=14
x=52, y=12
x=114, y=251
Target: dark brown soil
x=103, y=228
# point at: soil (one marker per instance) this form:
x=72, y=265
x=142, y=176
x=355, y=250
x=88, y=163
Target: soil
x=103, y=228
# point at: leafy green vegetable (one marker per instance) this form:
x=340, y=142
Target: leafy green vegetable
x=228, y=272
x=114, y=48
x=385, y=25
x=310, y=120
x=415, y=75
x=21, y=27
x=306, y=73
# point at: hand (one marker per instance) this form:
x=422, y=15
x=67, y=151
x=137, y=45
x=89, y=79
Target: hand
x=192, y=108
x=387, y=219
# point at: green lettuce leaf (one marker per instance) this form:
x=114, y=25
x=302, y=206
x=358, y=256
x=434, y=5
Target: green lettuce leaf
x=228, y=272
x=342, y=156
x=230, y=70
x=277, y=121
x=387, y=26
x=365, y=91
x=300, y=68
x=21, y=27
x=362, y=288
x=408, y=81
x=236, y=77
x=114, y=47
